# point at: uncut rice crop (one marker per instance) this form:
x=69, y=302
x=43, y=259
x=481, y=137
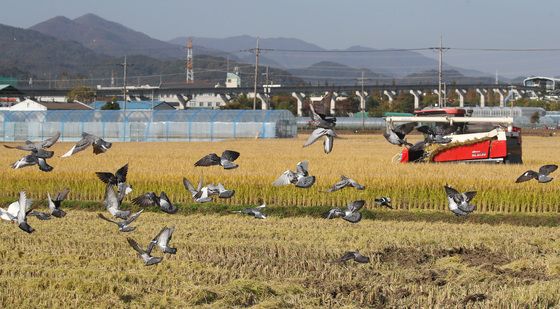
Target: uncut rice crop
x=366, y=158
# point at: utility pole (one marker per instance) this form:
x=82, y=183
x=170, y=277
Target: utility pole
x=497, y=81
x=257, y=52
x=440, y=70
x=189, y=63
x=125, y=67
x=363, y=102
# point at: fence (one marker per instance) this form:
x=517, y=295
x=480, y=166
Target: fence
x=165, y=125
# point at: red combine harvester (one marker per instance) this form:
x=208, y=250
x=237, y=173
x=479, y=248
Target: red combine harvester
x=473, y=139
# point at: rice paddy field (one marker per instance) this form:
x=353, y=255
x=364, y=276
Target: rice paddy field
x=504, y=255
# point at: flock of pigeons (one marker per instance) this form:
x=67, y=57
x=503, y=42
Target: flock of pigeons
x=117, y=187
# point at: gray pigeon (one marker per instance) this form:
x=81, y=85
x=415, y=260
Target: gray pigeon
x=162, y=240
x=384, y=201
x=151, y=199
x=300, y=178
x=99, y=145
x=124, y=226
x=541, y=176
x=328, y=143
x=220, y=190
x=353, y=255
x=199, y=194
x=345, y=182
x=30, y=160
x=254, y=212
x=351, y=214
x=113, y=203
x=23, y=209
x=226, y=160
x=54, y=205
x=118, y=179
x=38, y=149
x=396, y=135
x=436, y=135
x=145, y=255
x=39, y=215
x=459, y=203
x=320, y=120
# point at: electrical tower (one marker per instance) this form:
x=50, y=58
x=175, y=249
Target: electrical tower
x=189, y=63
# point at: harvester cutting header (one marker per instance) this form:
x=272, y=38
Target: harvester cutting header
x=451, y=135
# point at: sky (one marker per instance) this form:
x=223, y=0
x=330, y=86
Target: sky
x=335, y=24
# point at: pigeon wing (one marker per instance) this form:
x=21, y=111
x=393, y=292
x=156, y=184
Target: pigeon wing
x=315, y=135
x=121, y=173
x=107, y=219
x=284, y=179
x=528, y=175
x=208, y=160
x=356, y=205
x=302, y=168
x=354, y=217
x=305, y=182
x=50, y=141
x=147, y=199
x=134, y=245
x=346, y=257
x=230, y=155
x=188, y=185
x=107, y=177
x=547, y=169
x=80, y=145
x=404, y=129
x=133, y=217
x=61, y=196
x=469, y=195
x=22, y=211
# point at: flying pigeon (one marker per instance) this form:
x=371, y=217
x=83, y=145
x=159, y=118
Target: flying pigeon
x=328, y=143
x=226, y=160
x=199, y=194
x=396, y=135
x=118, y=179
x=151, y=199
x=300, y=178
x=144, y=255
x=99, y=145
x=345, y=182
x=353, y=255
x=351, y=214
x=541, y=176
x=384, y=201
x=320, y=120
x=459, y=203
x=436, y=135
x=162, y=240
x=39, y=215
x=113, y=202
x=220, y=190
x=38, y=149
x=30, y=160
x=21, y=209
x=124, y=226
x=54, y=205
x=254, y=212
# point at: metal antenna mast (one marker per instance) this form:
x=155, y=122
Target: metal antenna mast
x=189, y=63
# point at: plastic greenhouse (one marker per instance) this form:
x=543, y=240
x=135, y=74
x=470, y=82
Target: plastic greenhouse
x=164, y=125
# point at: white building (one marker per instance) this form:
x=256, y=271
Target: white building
x=233, y=80
x=27, y=105
x=208, y=100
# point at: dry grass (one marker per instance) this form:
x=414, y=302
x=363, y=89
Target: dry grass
x=234, y=261
x=161, y=166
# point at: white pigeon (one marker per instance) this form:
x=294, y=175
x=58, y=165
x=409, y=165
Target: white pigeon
x=300, y=178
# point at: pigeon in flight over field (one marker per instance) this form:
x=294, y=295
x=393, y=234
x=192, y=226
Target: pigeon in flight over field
x=39, y=215
x=124, y=226
x=226, y=160
x=300, y=178
x=396, y=135
x=54, y=205
x=351, y=214
x=346, y=182
x=113, y=203
x=199, y=194
x=436, y=135
x=151, y=199
x=145, y=255
x=19, y=210
x=353, y=255
x=320, y=120
x=328, y=143
x=254, y=212
x=162, y=240
x=384, y=201
x=220, y=190
x=30, y=160
x=541, y=176
x=118, y=179
x=38, y=149
x=459, y=203
x=99, y=145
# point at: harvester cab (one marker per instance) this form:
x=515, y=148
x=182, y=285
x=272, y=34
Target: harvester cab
x=452, y=135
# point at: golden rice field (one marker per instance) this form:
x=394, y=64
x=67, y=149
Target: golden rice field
x=366, y=158
x=233, y=261
x=419, y=257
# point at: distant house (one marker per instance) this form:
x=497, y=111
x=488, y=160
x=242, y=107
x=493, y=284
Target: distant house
x=233, y=80
x=9, y=95
x=167, y=106
x=30, y=105
x=26, y=105
x=66, y=106
x=207, y=101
